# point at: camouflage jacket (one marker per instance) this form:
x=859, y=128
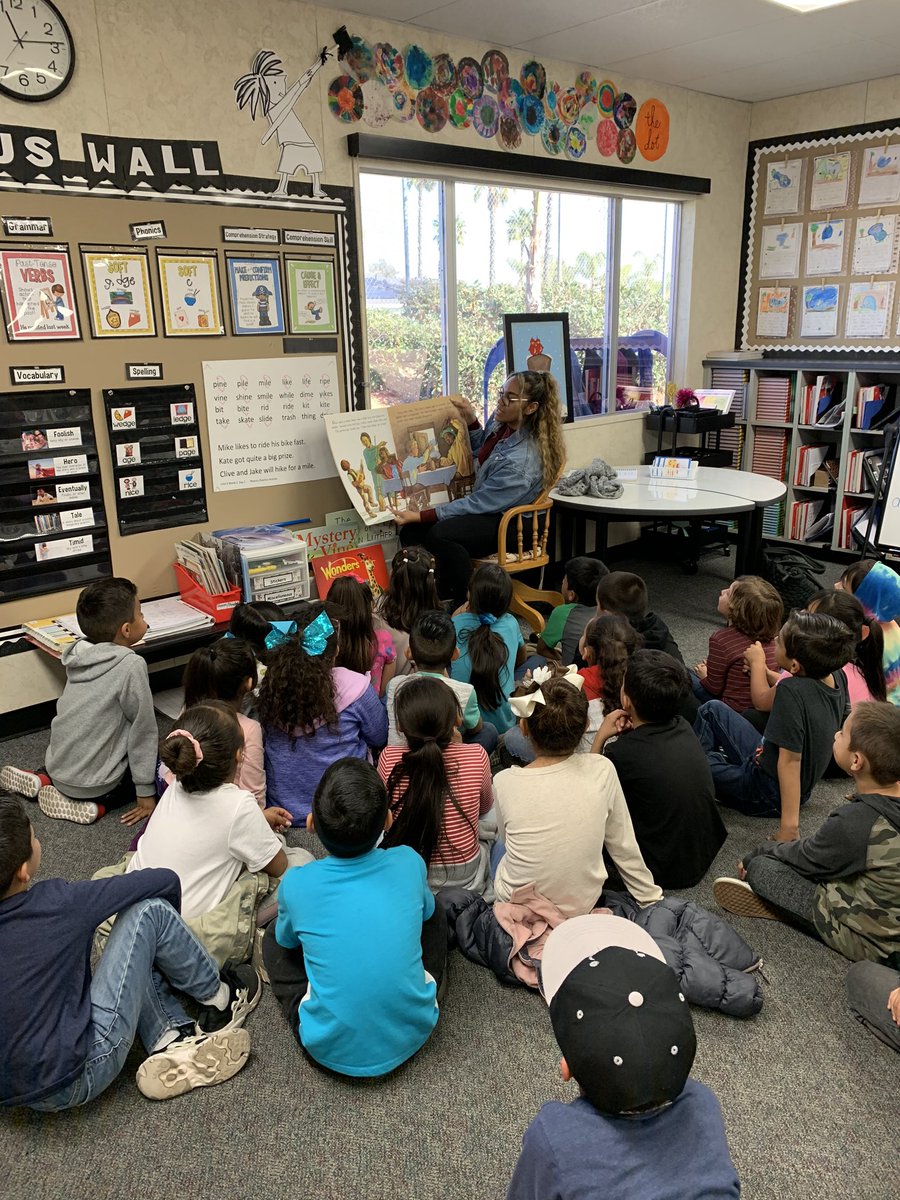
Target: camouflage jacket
x=854, y=857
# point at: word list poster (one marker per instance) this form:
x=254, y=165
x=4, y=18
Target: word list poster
x=265, y=420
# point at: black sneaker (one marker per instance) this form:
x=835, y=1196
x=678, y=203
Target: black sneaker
x=245, y=988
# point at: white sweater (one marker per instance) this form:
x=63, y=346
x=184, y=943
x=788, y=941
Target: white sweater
x=555, y=821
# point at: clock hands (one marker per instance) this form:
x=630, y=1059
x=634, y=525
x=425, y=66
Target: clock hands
x=15, y=34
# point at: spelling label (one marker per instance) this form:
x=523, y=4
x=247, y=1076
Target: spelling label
x=71, y=464
x=143, y=370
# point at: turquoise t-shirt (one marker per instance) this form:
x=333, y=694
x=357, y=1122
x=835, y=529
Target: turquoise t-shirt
x=370, y=1004
x=506, y=627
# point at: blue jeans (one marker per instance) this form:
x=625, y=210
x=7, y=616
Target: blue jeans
x=518, y=745
x=731, y=745
x=698, y=689
x=486, y=737
x=497, y=851
x=150, y=947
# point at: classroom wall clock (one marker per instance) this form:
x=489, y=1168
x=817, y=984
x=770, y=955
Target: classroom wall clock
x=37, y=54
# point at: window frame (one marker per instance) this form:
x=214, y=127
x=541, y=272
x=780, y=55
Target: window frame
x=447, y=177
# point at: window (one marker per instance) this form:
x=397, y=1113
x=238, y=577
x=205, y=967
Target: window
x=445, y=260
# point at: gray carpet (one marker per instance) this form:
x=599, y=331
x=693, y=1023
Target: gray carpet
x=809, y=1098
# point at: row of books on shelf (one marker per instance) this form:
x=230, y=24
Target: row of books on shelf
x=858, y=523
x=862, y=470
x=874, y=406
x=770, y=453
x=774, y=397
x=814, y=521
x=821, y=402
x=811, y=520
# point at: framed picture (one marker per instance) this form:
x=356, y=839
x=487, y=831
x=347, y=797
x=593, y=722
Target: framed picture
x=118, y=288
x=256, y=300
x=540, y=342
x=189, y=286
x=311, y=303
x=38, y=295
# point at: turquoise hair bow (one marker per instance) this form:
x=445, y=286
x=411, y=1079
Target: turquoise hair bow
x=316, y=635
x=280, y=632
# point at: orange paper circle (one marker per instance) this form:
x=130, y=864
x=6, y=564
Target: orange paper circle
x=652, y=129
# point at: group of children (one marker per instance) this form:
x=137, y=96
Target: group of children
x=376, y=727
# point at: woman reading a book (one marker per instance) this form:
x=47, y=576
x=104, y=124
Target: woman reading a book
x=519, y=455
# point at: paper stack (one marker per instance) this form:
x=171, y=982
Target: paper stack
x=202, y=563
x=809, y=459
x=164, y=617
x=774, y=397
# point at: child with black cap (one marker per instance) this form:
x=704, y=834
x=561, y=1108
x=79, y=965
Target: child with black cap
x=641, y=1127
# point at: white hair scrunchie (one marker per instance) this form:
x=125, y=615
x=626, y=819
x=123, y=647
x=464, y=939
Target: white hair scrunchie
x=524, y=706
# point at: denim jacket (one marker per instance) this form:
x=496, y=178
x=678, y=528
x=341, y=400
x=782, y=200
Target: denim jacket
x=510, y=475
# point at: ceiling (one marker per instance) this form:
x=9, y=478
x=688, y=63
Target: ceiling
x=743, y=49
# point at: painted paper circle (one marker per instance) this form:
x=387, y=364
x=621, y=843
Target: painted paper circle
x=471, y=79
x=586, y=87
x=576, y=142
x=551, y=99
x=431, y=110
x=460, y=107
x=444, y=79
x=345, y=98
x=486, y=115
x=510, y=133
x=587, y=119
x=388, y=61
x=531, y=113
x=553, y=135
x=607, y=137
x=360, y=59
x=652, y=129
x=419, y=67
x=627, y=147
x=606, y=97
x=404, y=103
x=495, y=69
x=378, y=105
x=568, y=106
x=534, y=78
x=624, y=110
x=508, y=99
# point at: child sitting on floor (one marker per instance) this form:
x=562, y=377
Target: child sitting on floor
x=362, y=648
x=314, y=712
x=411, y=591
x=641, y=1127
x=568, y=621
x=357, y=954
x=65, y=1035
x=438, y=788
x=253, y=623
x=102, y=752
x=626, y=594
x=490, y=645
x=775, y=775
x=558, y=814
x=877, y=587
x=842, y=884
x=663, y=772
x=606, y=646
x=432, y=646
x=754, y=612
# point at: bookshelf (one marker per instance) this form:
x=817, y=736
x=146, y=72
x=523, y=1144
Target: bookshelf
x=827, y=467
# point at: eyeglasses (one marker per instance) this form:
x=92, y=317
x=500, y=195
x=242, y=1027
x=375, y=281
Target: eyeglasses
x=509, y=397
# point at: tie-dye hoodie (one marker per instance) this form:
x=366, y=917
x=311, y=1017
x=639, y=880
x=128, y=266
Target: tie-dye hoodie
x=879, y=594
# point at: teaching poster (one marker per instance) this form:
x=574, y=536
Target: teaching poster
x=783, y=187
x=869, y=309
x=311, y=303
x=118, y=285
x=190, y=295
x=873, y=245
x=779, y=255
x=879, y=177
x=265, y=420
x=256, y=302
x=38, y=295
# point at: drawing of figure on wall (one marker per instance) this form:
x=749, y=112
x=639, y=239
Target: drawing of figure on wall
x=263, y=295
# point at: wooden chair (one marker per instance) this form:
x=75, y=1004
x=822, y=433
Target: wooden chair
x=532, y=526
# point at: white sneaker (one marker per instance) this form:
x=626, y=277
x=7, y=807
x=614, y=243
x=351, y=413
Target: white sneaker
x=54, y=804
x=738, y=897
x=193, y=1062
x=23, y=783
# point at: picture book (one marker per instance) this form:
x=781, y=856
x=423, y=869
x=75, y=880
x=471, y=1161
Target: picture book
x=366, y=564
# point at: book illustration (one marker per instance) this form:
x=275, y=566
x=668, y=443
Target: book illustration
x=879, y=180
x=874, y=245
x=406, y=458
x=366, y=564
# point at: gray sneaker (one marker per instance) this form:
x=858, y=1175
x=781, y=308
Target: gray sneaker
x=53, y=803
x=193, y=1062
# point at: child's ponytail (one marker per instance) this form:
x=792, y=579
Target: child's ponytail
x=412, y=589
x=298, y=690
x=202, y=752
x=427, y=714
x=611, y=640
x=353, y=599
x=490, y=594
x=869, y=649
x=219, y=671
x=554, y=708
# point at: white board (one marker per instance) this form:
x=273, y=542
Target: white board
x=889, y=531
x=265, y=420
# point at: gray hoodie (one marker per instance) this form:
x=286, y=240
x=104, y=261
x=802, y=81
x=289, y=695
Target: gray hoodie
x=104, y=723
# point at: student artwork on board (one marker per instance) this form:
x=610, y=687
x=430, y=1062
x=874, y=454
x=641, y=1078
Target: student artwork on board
x=869, y=309
x=874, y=245
x=783, y=186
x=38, y=295
x=118, y=285
x=824, y=247
x=190, y=295
x=267, y=92
x=256, y=301
x=773, y=312
x=820, y=310
x=779, y=254
x=831, y=180
x=879, y=179
x=311, y=305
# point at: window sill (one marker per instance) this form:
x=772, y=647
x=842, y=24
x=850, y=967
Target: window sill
x=607, y=419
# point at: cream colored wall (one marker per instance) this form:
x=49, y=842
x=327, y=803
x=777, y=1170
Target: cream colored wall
x=832, y=108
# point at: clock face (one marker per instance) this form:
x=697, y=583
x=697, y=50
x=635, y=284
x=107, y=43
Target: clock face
x=37, y=54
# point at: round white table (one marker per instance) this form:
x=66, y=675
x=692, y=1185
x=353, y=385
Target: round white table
x=715, y=492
